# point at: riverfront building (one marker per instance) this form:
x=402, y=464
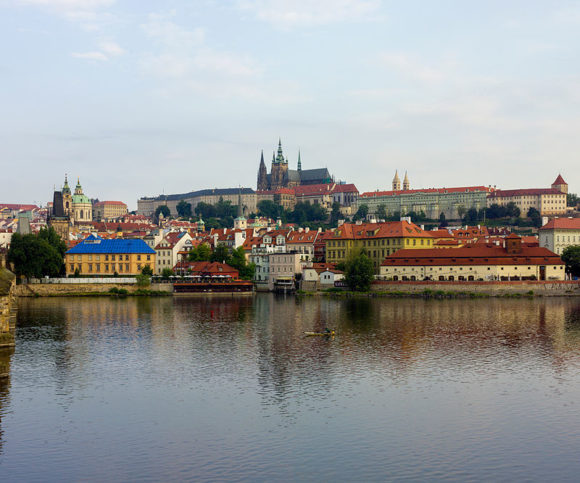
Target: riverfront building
x=548, y=201
x=478, y=262
x=98, y=256
x=560, y=233
x=432, y=201
x=378, y=239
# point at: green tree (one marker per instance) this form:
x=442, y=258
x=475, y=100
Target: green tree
x=205, y=210
x=361, y=213
x=442, y=220
x=571, y=257
x=147, y=271
x=166, y=272
x=359, y=272
x=200, y=253
x=382, y=212
x=143, y=280
x=572, y=199
x=37, y=255
x=335, y=214
x=269, y=209
x=461, y=210
x=471, y=216
x=239, y=262
x=535, y=217
x=512, y=210
x=221, y=254
x=184, y=209
x=162, y=209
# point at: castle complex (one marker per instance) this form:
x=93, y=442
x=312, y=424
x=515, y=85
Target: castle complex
x=282, y=177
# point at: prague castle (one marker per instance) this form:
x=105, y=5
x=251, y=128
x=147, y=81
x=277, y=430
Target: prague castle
x=282, y=177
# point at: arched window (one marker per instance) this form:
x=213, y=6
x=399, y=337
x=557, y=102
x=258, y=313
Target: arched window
x=81, y=215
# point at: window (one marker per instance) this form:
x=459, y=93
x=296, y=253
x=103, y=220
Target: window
x=90, y=267
x=72, y=267
x=126, y=267
x=138, y=257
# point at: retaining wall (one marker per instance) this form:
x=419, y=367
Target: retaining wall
x=545, y=288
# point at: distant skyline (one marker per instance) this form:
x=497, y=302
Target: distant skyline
x=139, y=97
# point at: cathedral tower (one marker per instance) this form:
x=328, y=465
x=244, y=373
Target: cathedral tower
x=406, y=185
x=262, y=175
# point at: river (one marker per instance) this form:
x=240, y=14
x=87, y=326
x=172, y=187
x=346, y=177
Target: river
x=229, y=389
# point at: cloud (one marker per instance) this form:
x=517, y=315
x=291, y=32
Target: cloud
x=412, y=68
x=90, y=56
x=107, y=50
x=288, y=14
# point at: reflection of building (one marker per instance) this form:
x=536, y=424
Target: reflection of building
x=97, y=256
x=548, y=201
x=560, y=233
x=513, y=261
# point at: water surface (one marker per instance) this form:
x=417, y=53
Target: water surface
x=222, y=389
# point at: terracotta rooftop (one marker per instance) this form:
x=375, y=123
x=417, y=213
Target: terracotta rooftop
x=562, y=224
x=467, y=189
x=524, y=192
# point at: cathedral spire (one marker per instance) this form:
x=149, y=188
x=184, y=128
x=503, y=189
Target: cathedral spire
x=280, y=156
x=396, y=182
x=262, y=174
x=406, y=185
x=299, y=161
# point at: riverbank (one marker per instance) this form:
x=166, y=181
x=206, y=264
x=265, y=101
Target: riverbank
x=513, y=289
x=7, y=310
x=92, y=290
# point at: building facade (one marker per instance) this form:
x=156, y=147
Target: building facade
x=379, y=240
x=433, y=201
x=548, y=201
x=560, y=233
x=96, y=256
x=109, y=210
x=512, y=261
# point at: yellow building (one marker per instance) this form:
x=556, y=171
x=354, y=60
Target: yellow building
x=548, y=201
x=378, y=239
x=102, y=257
x=512, y=261
x=109, y=210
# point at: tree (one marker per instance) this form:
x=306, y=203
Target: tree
x=359, y=272
x=471, y=216
x=239, y=262
x=496, y=211
x=382, y=212
x=335, y=213
x=461, y=210
x=37, y=255
x=184, y=209
x=166, y=272
x=269, y=209
x=442, y=220
x=571, y=257
x=205, y=210
x=200, y=253
x=221, y=254
x=535, y=217
x=361, y=213
x=572, y=199
x=512, y=210
x=147, y=270
x=162, y=209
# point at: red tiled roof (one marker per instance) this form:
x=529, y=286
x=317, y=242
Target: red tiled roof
x=345, y=188
x=525, y=192
x=209, y=268
x=313, y=189
x=395, y=229
x=19, y=207
x=472, y=255
x=559, y=180
x=562, y=224
x=467, y=189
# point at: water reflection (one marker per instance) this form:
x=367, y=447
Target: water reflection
x=236, y=379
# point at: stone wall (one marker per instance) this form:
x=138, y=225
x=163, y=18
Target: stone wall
x=7, y=308
x=545, y=288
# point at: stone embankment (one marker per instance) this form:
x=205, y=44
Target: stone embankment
x=7, y=318
x=493, y=289
x=56, y=290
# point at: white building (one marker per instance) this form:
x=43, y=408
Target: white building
x=560, y=233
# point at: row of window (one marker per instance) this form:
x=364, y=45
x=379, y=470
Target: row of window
x=110, y=257
x=107, y=268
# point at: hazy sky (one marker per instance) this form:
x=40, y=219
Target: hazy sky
x=141, y=97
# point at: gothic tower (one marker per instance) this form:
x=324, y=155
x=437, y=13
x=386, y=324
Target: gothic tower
x=396, y=182
x=66, y=197
x=279, y=169
x=262, y=175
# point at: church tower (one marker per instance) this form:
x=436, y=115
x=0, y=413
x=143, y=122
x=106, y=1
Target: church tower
x=299, y=162
x=262, y=175
x=560, y=184
x=396, y=182
x=66, y=197
x=279, y=169
x=406, y=185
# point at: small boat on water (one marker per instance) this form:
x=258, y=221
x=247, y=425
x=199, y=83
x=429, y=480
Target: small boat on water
x=326, y=332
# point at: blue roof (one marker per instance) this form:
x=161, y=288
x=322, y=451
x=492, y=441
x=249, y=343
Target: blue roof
x=96, y=244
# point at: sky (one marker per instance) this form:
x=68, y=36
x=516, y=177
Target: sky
x=139, y=97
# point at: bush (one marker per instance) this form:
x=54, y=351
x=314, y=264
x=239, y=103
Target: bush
x=143, y=280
